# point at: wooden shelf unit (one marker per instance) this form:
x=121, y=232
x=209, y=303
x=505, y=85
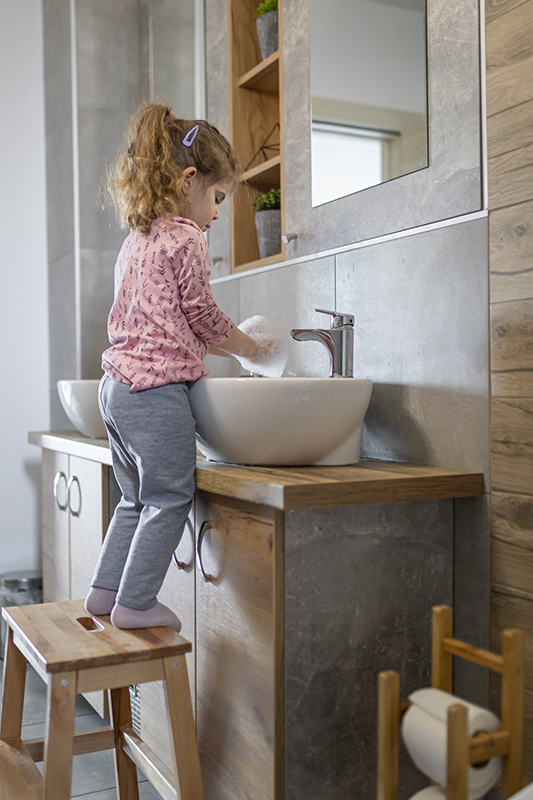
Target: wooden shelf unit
x=255, y=106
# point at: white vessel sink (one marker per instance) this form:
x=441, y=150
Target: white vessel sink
x=280, y=421
x=80, y=401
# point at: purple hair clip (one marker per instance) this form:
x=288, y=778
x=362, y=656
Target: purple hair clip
x=191, y=136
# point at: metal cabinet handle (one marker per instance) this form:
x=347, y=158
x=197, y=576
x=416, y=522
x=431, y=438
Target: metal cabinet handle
x=59, y=475
x=187, y=566
x=72, y=481
x=206, y=526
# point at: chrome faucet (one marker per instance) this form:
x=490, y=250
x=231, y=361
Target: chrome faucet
x=338, y=340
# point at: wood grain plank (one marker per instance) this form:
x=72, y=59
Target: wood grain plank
x=495, y=8
x=509, y=37
x=511, y=253
x=333, y=486
x=511, y=568
x=510, y=130
x=495, y=694
x=512, y=421
x=512, y=445
x=235, y=651
x=62, y=644
x=308, y=487
x=512, y=349
x=512, y=518
x=511, y=178
x=509, y=85
x=513, y=612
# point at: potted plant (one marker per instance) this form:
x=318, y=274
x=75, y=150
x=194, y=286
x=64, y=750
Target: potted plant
x=267, y=27
x=268, y=222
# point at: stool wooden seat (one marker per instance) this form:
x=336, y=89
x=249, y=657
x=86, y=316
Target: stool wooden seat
x=73, y=653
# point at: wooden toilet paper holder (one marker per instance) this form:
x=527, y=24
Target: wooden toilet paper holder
x=462, y=749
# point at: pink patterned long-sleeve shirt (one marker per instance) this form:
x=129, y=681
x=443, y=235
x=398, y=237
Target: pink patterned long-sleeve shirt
x=163, y=315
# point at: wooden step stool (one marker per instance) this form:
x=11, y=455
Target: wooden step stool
x=73, y=653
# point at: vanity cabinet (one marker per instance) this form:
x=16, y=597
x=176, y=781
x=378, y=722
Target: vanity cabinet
x=76, y=510
x=296, y=587
x=238, y=674
x=226, y=604
x=75, y=501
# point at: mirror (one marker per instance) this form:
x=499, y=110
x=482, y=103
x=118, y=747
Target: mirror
x=368, y=93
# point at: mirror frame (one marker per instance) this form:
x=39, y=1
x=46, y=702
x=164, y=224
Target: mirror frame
x=452, y=183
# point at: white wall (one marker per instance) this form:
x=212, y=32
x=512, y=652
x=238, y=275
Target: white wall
x=24, y=400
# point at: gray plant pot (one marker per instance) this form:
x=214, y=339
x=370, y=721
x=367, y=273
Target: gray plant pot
x=267, y=33
x=268, y=227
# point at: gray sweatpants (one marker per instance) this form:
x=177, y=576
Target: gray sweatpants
x=152, y=440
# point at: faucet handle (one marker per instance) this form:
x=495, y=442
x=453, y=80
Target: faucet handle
x=337, y=320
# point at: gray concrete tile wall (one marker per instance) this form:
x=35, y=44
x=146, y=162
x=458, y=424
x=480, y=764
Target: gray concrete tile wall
x=421, y=321
x=360, y=582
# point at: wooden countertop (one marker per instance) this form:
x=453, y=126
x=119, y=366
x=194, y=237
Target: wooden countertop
x=289, y=488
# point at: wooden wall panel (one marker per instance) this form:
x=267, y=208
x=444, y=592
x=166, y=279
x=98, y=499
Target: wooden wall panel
x=511, y=569
x=512, y=445
x=512, y=518
x=509, y=84
x=509, y=36
x=513, y=612
x=495, y=692
x=510, y=129
x=495, y=8
x=511, y=177
x=512, y=349
x=511, y=252
x=509, y=70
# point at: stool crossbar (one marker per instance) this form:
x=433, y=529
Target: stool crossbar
x=74, y=653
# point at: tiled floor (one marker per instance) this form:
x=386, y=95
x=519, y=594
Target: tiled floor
x=93, y=775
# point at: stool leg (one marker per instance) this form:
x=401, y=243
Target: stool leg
x=125, y=769
x=14, y=685
x=182, y=729
x=59, y=735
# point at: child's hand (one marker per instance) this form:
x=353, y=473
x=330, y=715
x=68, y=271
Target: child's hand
x=272, y=348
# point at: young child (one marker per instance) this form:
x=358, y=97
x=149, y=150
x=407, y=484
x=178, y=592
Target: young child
x=167, y=186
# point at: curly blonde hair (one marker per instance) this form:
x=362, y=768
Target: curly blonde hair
x=146, y=180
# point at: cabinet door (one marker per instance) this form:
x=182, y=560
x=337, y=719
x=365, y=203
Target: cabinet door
x=56, y=546
x=177, y=593
x=236, y=653
x=89, y=508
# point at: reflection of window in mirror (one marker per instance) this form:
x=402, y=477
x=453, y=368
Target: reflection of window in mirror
x=368, y=93
x=172, y=54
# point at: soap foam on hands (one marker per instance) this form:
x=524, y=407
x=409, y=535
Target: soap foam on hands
x=273, y=347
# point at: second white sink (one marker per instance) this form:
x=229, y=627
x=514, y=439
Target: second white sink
x=280, y=421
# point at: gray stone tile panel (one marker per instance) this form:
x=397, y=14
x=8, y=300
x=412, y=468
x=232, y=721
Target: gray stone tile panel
x=421, y=320
x=57, y=61
x=360, y=582
x=97, y=269
x=287, y=296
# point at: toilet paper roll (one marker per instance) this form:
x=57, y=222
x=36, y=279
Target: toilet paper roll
x=424, y=732
x=430, y=793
